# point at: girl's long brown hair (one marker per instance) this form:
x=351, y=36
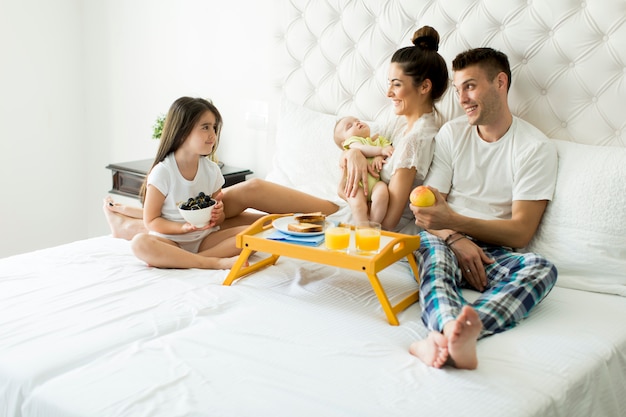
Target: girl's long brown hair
x=182, y=116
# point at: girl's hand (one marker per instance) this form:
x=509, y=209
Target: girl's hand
x=218, y=215
x=218, y=212
x=188, y=227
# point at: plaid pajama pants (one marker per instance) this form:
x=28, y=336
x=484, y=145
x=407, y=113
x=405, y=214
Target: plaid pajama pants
x=516, y=282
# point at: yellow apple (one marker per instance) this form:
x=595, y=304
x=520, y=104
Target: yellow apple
x=421, y=196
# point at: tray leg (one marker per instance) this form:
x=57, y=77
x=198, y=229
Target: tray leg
x=382, y=298
x=240, y=269
x=413, y=263
x=413, y=297
x=392, y=311
x=408, y=300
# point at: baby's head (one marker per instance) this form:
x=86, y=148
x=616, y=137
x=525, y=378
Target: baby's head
x=350, y=126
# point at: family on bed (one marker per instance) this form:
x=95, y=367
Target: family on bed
x=491, y=172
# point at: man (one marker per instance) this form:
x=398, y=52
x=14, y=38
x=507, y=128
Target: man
x=492, y=178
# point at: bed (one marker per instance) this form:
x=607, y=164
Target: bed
x=88, y=330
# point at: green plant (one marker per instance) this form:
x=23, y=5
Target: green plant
x=157, y=128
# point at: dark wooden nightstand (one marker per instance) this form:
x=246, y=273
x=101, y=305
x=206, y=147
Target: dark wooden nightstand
x=129, y=176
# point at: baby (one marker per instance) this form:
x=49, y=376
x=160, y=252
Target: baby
x=351, y=133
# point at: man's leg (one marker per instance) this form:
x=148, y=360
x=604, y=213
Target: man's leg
x=516, y=282
x=455, y=328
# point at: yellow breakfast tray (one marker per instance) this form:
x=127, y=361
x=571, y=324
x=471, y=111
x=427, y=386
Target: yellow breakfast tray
x=394, y=246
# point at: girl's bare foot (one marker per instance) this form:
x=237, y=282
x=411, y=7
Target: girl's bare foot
x=123, y=225
x=115, y=220
x=227, y=263
x=433, y=350
x=462, y=335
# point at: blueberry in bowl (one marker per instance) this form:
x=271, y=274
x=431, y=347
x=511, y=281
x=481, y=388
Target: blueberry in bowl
x=197, y=210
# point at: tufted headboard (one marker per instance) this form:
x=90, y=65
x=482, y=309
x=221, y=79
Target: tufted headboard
x=568, y=61
x=568, y=57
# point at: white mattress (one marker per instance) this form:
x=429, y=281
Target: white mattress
x=88, y=330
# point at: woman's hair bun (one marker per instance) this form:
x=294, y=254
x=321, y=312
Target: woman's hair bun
x=426, y=38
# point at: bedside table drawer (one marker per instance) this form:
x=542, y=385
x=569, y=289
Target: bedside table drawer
x=127, y=183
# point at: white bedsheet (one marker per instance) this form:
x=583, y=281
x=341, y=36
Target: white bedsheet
x=88, y=330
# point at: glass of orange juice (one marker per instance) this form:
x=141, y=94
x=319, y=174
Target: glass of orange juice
x=337, y=238
x=367, y=236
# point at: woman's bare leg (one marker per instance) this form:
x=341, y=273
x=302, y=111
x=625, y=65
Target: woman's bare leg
x=244, y=219
x=271, y=198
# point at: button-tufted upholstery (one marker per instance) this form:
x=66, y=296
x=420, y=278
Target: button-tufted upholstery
x=568, y=57
x=568, y=61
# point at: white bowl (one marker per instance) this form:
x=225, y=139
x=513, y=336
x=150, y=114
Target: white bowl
x=199, y=217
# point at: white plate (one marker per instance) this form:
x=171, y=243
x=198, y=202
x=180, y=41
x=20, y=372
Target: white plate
x=282, y=222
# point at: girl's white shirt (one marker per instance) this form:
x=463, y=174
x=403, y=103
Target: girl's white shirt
x=166, y=177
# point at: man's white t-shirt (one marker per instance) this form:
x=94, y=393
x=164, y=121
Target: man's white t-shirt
x=482, y=179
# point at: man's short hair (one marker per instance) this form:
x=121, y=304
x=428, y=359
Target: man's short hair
x=490, y=60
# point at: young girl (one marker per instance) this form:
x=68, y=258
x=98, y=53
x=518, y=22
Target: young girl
x=181, y=170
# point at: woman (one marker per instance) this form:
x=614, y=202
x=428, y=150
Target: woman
x=418, y=77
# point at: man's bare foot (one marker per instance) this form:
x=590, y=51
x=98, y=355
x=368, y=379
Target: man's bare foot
x=462, y=335
x=433, y=350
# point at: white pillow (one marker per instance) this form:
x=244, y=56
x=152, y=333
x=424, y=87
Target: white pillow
x=583, y=231
x=306, y=156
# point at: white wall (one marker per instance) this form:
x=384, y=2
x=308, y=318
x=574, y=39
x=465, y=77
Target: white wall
x=84, y=82
x=42, y=162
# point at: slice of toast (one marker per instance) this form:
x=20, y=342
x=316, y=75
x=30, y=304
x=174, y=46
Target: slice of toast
x=304, y=227
x=317, y=218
